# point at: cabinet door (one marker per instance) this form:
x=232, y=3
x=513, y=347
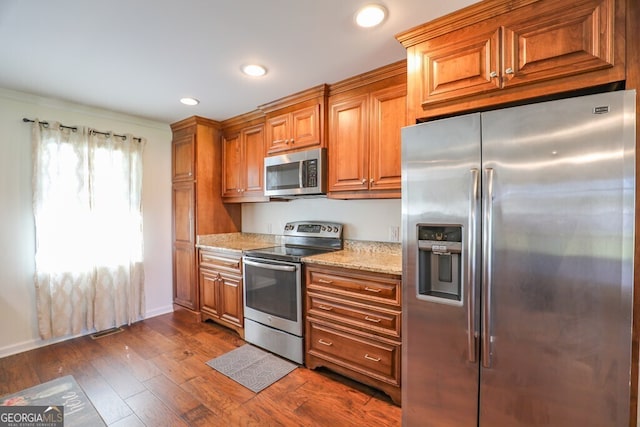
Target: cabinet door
x=183, y=212
x=182, y=156
x=232, y=165
x=278, y=133
x=209, y=292
x=305, y=130
x=559, y=42
x=231, y=302
x=348, y=145
x=184, y=289
x=388, y=116
x=460, y=63
x=253, y=160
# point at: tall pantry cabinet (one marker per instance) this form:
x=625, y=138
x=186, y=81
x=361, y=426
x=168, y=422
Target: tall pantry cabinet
x=197, y=207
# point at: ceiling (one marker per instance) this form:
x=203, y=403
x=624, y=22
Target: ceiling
x=140, y=57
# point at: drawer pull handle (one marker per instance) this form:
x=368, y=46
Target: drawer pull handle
x=373, y=359
x=326, y=282
x=325, y=307
x=366, y=288
x=327, y=343
x=222, y=261
x=372, y=319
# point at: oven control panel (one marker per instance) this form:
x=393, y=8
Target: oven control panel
x=313, y=229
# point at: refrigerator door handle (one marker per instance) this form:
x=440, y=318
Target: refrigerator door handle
x=471, y=268
x=487, y=249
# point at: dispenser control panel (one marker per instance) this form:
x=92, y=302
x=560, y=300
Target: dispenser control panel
x=439, y=266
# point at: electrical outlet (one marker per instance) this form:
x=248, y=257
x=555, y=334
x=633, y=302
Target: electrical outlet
x=269, y=228
x=394, y=233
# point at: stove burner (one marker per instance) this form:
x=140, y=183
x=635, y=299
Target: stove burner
x=302, y=239
x=285, y=253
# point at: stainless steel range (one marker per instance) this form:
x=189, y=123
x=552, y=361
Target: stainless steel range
x=273, y=286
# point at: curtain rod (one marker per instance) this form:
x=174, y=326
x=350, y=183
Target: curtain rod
x=74, y=128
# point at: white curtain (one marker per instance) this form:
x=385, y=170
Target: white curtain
x=87, y=205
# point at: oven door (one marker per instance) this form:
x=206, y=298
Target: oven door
x=273, y=293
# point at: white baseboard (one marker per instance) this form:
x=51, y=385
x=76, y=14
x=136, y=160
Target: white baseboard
x=37, y=343
x=33, y=344
x=159, y=311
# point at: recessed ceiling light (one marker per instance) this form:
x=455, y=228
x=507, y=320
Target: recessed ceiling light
x=189, y=101
x=254, y=70
x=370, y=15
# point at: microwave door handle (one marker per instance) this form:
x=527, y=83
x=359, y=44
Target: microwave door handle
x=270, y=266
x=301, y=166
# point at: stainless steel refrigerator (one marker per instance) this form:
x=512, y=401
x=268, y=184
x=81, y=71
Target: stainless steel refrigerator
x=518, y=228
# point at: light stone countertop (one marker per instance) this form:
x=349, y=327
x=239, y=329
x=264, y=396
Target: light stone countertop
x=377, y=257
x=235, y=243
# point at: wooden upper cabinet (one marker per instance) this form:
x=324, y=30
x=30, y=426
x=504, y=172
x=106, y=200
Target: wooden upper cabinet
x=366, y=114
x=459, y=67
x=278, y=131
x=254, y=160
x=183, y=163
x=243, y=150
x=296, y=122
x=500, y=51
x=388, y=116
x=232, y=165
x=292, y=131
x=305, y=126
x=546, y=47
x=349, y=144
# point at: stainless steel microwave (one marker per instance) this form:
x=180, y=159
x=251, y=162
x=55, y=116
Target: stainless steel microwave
x=302, y=173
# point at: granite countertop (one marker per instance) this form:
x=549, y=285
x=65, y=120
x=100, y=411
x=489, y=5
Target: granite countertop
x=235, y=243
x=377, y=257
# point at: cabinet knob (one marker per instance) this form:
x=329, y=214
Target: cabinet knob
x=371, y=181
x=238, y=190
x=364, y=180
x=509, y=70
x=493, y=74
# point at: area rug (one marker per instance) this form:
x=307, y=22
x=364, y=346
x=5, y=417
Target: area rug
x=63, y=391
x=252, y=367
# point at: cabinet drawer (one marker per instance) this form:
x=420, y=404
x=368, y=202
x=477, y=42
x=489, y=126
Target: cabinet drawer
x=354, y=314
x=220, y=262
x=377, y=359
x=363, y=286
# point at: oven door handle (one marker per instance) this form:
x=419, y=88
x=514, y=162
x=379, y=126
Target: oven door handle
x=270, y=266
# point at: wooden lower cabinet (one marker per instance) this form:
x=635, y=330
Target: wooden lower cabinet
x=185, y=293
x=220, y=283
x=353, y=325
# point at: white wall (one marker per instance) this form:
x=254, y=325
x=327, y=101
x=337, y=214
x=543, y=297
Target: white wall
x=362, y=219
x=18, y=322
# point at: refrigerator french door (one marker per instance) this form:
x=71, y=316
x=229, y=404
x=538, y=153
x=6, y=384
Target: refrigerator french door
x=518, y=229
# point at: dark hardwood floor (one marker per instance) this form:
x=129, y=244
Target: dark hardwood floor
x=154, y=374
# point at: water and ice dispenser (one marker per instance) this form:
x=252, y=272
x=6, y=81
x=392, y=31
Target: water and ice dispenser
x=439, y=266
